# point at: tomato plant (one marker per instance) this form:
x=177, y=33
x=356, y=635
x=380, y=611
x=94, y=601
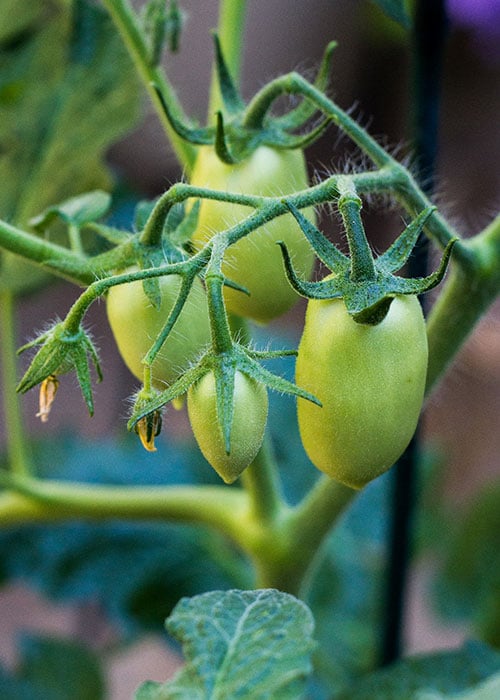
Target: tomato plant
x=75, y=512
x=370, y=380
x=255, y=262
x=247, y=426
x=136, y=323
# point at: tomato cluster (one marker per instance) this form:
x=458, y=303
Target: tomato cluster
x=370, y=379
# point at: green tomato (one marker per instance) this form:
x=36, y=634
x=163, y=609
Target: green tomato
x=255, y=261
x=370, y=380
x=247, y=429
x=136, y=324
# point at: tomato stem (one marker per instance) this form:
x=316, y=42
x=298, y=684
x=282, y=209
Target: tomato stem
x=261, y=482
x=151, y=75
x=362, y=265
x=17, y=448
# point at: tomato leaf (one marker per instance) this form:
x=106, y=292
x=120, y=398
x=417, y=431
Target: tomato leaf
x=79, y=210
x=396, y=10
x=434, y=677
x=67, y=92
x=247, y=644
x=53, y=669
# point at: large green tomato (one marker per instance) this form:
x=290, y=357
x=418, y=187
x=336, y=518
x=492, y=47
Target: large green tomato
x=370, y=380
x=255, y=262
x=247, y=429
x=136, y=324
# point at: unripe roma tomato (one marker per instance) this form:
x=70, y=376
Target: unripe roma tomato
x=370, y=380
x=247, y=430
x=136, y=323
x=255, y=261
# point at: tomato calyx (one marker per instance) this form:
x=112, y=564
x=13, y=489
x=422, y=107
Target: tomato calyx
x=224, y=366
x=61, y=351
x=240, y=129
x=366, y=284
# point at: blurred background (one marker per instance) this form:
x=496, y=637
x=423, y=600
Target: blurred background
x=372, y=73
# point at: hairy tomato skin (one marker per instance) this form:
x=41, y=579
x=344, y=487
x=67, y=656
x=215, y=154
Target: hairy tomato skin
x=255, y=262
x=136, y=323
x=371, y=382
x=247, y=430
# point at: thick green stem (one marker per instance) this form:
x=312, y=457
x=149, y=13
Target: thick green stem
x=126, y=22
x=17, y=447
x=283, y=554
x=230, y=31
x=59, y=260
x=261, y=483
x=472, y=286
x=58, y=500
x=464, y=299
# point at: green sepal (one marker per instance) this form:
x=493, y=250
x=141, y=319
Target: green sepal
x=231, y=98
x=224, y=371
x=398, y=253
x=161, y=25
x=256, y=371
x=202, y=136
x=282, y=140
x=154, y=18
x=77, y=211
x=174, y=26
x=326, y=289
x=60, y=352
x=224, y=366
x=151, y=285
x=174, y=314
x=234, y=285
x=148, y=257
x=221, y=145
x=325, y=250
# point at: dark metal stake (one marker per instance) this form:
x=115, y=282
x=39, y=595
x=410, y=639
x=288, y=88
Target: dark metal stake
x=429, y=35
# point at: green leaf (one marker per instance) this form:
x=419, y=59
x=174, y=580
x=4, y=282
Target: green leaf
x=396, y=10
x=79, y=210
x=433, y=677
x=67, y=91
x=251, y=645
x=53, y=670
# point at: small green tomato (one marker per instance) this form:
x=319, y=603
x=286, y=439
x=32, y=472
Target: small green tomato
x=136, y=323
x=255, y=261
x=247, y=429
x=370, y=380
